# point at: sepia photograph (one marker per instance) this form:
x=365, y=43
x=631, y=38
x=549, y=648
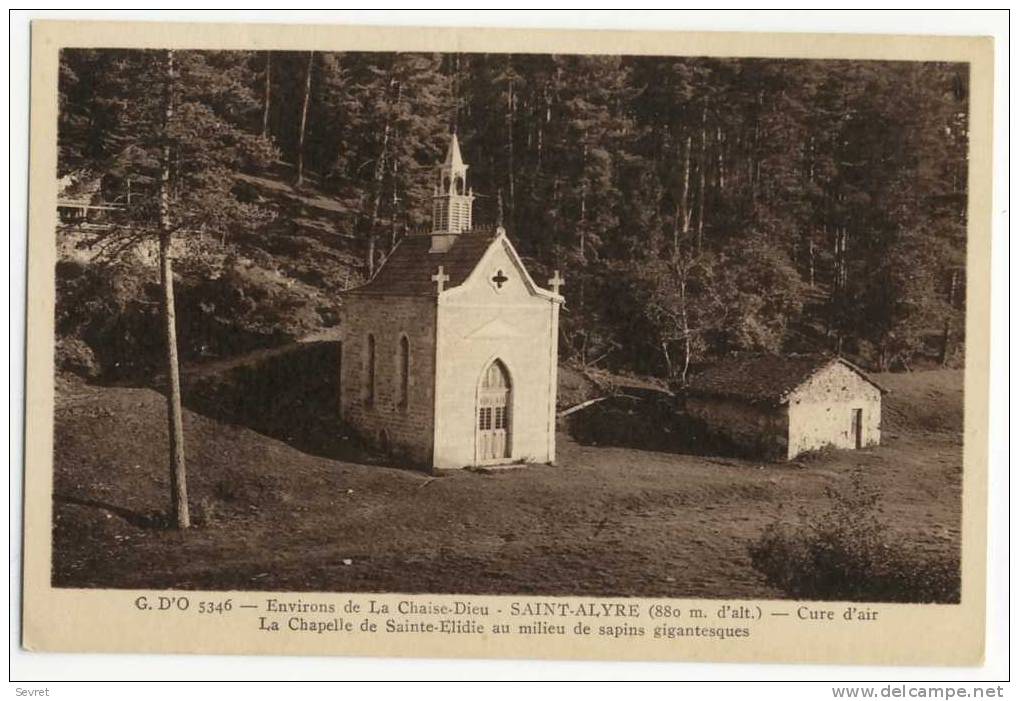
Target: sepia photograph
x=510, y=323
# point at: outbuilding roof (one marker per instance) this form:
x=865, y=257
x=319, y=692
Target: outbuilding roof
x=764, y=378
x=409, y=268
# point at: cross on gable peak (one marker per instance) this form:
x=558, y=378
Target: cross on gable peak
x=556, y=281
x=440, y=279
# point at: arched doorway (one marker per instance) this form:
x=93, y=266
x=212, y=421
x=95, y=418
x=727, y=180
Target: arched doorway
x=493, y=416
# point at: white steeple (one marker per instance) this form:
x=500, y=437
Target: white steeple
x=453, y=157
x=452, y=201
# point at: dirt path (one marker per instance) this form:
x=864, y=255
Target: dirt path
x=199, y=371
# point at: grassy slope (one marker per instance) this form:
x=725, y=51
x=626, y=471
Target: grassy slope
x=924, y=402
x=606, y=520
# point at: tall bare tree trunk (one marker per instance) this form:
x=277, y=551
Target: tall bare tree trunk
x=380, y=173
x=753, y=163
x=703, y=168
x=833, y=289
x=457, y=96
x=542, y=120
x=582, y=224
x=178, y=468
x=844, y=260
x=686, y=329
x=667, y=358
x=720, y=141
x=371, y=256
x=304, y=120
x=840, y=282
x=394, y=166
x=510, y=108
x=946, y=339
x=837, y=262
x=539, y=145
x=268, y=93
x=685, y=212
x=810, y=254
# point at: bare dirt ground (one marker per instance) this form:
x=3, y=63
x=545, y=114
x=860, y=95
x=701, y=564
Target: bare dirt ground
x=273, y=514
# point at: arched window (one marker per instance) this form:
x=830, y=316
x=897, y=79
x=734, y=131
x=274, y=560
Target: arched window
x=496, y=377
x=404, y=362
x=369, y=388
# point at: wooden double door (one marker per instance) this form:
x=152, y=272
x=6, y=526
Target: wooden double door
x=493, y=432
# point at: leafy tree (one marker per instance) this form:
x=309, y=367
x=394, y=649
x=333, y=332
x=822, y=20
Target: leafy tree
x=784, y=204
x=394, y=112
x=179, y=131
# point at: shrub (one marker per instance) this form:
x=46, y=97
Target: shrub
x=205, y=512
x=74, y=355
x=843, y=554
x=113, y=310
x=818, y=455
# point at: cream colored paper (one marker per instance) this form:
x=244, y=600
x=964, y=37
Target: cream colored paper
x=131, y=621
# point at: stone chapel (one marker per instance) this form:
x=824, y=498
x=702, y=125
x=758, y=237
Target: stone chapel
x=449, y=353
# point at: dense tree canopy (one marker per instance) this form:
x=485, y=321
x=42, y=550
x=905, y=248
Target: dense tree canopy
x=696, y=206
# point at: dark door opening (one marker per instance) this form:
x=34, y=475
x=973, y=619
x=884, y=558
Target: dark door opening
x=858, y=428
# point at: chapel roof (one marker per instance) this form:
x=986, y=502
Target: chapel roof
x=409, y=268
x=764, y=378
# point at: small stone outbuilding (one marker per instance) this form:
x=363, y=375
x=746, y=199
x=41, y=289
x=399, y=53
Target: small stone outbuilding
x=778, y=407
x=450, y=352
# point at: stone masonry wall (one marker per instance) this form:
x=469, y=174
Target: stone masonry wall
x=821, y=411
x=407, y=428
x=758, y=430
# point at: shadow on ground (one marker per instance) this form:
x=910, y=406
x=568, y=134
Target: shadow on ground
x=290, y=394
x=154, y=520
x=651, y=421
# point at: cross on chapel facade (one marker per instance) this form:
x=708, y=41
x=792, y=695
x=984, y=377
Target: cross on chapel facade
x=450, y=352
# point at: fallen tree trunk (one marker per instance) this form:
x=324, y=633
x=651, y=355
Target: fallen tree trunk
x=578, y=407
x=590, y=402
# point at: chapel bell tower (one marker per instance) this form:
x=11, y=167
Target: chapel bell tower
x=452, y=202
